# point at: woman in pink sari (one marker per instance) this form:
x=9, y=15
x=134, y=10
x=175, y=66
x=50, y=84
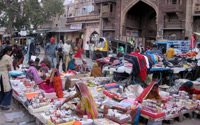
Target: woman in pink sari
x=52, y=84
x=86, y=105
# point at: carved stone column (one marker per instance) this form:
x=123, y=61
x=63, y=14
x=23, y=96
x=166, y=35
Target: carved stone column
x=188, y=19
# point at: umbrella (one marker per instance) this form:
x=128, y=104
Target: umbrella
x=197, y=33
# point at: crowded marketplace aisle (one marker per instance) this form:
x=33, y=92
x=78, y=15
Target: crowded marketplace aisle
x=30, y=116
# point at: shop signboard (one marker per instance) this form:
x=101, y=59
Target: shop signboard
x=77, y=26
x=133, y=33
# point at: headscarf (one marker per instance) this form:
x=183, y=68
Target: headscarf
x=188, y=84
x=121, y=48
x=96, y=71
x=87, y=99
x=71, y=65
x=27, y=54
x=145, y=92
x=57, y=83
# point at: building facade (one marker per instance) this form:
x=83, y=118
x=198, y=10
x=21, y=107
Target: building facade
x=84, y=22
x=147, y=20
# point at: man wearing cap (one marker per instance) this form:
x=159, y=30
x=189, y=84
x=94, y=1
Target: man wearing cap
x=51, y=51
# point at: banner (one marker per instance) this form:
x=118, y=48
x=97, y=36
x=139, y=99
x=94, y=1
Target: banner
x=76, y=26
x=132, y=33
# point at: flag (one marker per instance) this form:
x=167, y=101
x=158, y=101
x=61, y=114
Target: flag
x=193, y=41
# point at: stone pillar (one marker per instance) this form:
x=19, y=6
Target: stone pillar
x=101, y=21
x=188, y=18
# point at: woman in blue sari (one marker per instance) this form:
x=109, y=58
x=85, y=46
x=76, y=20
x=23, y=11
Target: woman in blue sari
x=31, y=49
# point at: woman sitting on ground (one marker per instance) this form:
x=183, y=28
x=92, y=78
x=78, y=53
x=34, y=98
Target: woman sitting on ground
x=96, y=71
x=188, y=87
x=150, y=92
x=33, y=73
x=53, y=84
x=86, y=105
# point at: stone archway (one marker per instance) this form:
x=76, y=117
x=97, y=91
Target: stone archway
x=131, y=4
x=94, y=36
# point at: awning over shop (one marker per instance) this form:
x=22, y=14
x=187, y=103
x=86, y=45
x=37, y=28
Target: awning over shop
x=63, y=31
x=197, y=33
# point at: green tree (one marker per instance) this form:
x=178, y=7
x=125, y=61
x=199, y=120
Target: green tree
x=18, y=15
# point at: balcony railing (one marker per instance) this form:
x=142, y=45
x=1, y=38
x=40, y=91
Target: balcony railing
x=173, y=25
x=82, y=18
x=107, y=15
x=108, y=27
x=173, y=8
x=103, y=1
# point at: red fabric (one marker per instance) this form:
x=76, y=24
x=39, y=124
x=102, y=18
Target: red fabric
x=143, y=70
x=152, y=115
x=190, y=91
x=78, y=53
x=145, y=92
x=193, y=41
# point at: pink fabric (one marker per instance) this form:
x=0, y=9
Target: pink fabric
x=47, y=88
x=33, y=71
x=43, y=65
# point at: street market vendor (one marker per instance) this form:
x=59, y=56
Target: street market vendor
x=188, y=87
x=150, y=92
x=53, y=84
x=86, y=105
x=96, y=71
x=33, y=73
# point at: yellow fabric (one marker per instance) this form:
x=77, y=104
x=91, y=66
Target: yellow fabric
x=96, y=72
x=4, y=63
x=86, y=104
x=153, y=97
x=67, y=61
x=170, y=53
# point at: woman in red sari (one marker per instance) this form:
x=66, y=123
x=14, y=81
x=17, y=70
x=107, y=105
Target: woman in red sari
x=188, y=87
x=150, y=92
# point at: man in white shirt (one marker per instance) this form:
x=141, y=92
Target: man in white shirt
x=87, y=49
x=67, y=52
x=197, y=73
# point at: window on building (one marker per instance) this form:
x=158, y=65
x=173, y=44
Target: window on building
x=173, y=1
x=111, y=8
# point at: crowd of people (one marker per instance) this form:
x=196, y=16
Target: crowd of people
x=55, y=53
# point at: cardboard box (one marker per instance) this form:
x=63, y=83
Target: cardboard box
x=71, y=80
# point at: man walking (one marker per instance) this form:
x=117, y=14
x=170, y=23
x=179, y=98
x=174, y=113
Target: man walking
x=18, y=56
x=87, y=49
x=67, y=52
x=51, y=51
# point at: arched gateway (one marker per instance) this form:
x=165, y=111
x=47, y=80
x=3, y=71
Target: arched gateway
x=140, y=16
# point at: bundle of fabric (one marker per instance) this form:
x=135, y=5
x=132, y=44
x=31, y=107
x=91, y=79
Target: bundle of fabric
x=143, y=65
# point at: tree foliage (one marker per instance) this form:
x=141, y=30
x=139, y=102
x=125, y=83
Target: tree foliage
x=21, y=14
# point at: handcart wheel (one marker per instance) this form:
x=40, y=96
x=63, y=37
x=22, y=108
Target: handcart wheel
x=188, y=75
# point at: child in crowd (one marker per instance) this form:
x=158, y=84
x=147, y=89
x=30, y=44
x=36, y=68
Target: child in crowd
x=37, y=62
x=33, y=73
